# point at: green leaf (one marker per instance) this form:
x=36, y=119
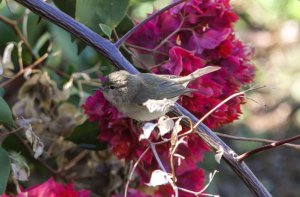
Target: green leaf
x=67, y=6
x=2, y=92
x=5, y=114
x=5, y=169
x=125, y=25
x=93, y=12
x=86, y=136
x=106, y=29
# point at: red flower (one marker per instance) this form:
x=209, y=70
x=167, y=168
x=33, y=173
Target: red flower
x=53, y=189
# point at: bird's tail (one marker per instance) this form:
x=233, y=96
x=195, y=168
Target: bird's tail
x=196, y=74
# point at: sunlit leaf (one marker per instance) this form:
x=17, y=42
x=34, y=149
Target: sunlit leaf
x=5, y=169
x=5, y=114
x=106, y=29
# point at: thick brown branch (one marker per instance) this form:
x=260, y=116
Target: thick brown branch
x=113, y=54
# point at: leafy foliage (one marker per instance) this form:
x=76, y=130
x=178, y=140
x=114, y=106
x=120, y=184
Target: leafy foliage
x=5, y=169
x=95, y=12
x=85, y=136
x=5, y=114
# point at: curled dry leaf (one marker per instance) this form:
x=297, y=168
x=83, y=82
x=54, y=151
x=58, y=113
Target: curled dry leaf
x=20, y=169
x=38, y=148
x=34, y=140
x=6, y=60
x=19, y=173
x=42, y=89
x=177, y=127
x=159, y=177
x=219, y=154
x=6, y=64
x=147, y=130
x=29, y=134
x=67, y=118
x=165, y=125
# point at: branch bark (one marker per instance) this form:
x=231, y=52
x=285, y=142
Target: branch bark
x=108, y=49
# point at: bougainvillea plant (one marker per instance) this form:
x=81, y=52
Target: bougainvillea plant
x=189, y=36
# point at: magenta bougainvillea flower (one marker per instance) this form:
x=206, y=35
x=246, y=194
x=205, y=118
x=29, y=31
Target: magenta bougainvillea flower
x=193, y=35
x=196, y=34
x=53, y=189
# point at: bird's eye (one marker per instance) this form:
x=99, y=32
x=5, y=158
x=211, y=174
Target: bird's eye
x=112, y=87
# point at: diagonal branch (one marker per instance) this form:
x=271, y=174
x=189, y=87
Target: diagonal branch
x=243, y=156
x=113, y=54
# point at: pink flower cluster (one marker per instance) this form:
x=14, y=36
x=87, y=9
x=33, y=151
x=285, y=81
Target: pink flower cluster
x=52, y=189
x=189, y=36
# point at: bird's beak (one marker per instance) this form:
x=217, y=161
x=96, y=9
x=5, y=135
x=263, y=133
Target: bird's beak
x=100, y=88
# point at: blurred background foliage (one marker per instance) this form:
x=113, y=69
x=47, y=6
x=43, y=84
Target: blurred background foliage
x=271, y=27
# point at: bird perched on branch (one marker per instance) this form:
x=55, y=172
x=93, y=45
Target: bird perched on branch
x=147, y=96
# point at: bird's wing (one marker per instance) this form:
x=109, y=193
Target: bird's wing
x=158, y=87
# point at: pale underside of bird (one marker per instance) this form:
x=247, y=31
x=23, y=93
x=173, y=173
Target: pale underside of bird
x=147, y=96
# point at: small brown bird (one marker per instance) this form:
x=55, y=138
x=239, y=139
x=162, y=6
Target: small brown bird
x=129, y=93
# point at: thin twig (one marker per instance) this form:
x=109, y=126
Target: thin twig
x=14, y=26
x=149, y=18
x=202, y=190
x=249, y=139
x=75, y=160
x=11, y=132
x=133, y=170
x=146, y=49
x=171, y=181
x=21, y=72
x=20, y=55
x=223, y=102
x=43, y=162
x=153, y=149
x=266, y=147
